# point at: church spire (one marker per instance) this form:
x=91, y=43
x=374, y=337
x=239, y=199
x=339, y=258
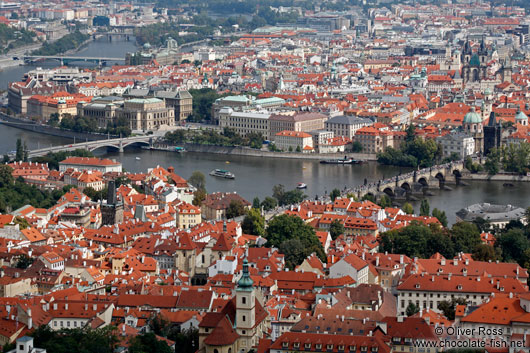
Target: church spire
x=245, y=282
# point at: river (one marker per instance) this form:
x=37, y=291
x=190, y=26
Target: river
x=101, y=47
x=256, y=176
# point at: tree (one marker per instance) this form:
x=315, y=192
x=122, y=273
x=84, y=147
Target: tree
x=412, y=309
x=269, y=203
x=198, y=180
x=493, y=161
x=253, y=223
x=411, y=133
x=24, y=261
x=148, y=343
x=356, y=147
x=385, y=201
x=6, y=176
x=334, y=194
x=482, y=224
x=284, y=228
x=198, y=197
x=407, y=208
x=256, y=203
x=465, y=237
x=298, y=149
x=441, y=216
x=235, y=209
x=336, y=228
x=425, y=208
x=278, y=192
x=484, y=252
x=19, y=156
x=187, y=341
x=513, y=244
x=448, y=307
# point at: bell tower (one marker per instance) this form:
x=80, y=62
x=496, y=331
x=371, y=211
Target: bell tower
x=245, y=301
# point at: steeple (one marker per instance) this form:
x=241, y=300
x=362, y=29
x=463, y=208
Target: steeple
x=245, y=282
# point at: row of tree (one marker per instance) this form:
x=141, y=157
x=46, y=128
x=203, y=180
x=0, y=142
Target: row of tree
x=228, y=137
x=512, y=158
x=89, y=124
x=68, y=42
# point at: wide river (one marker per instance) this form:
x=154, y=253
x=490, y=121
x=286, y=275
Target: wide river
x=256, y=176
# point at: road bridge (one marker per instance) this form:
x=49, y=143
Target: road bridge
x=117, y=143
x=65, y=59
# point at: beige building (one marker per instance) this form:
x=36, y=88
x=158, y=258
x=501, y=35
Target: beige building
x=215, y=205
x=103, y=109
x=147, y=114
x=298, y=122
x=187, y=215
x=347, y=126
x=245, y=123
x=292, y=140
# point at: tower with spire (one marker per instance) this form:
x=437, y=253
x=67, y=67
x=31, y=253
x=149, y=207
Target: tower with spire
x=245, y=301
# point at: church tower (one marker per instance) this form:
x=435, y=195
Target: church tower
x=246, y=309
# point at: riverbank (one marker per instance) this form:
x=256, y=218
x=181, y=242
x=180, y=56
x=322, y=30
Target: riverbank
x=496, y=177
x=29, y=125
x=252, y=152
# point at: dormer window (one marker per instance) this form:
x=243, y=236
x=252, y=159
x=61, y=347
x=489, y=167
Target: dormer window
x=341, y=348
x=318, y=346
x=417, y=285
x=329, y=347
x=364, y=349
x=459, y=287
x=353, y=348
x=285, y=344
x=307, y=346
x=296, y=345
x=375, y=348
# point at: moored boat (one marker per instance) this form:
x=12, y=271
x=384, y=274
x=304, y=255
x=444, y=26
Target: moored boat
x=221, y=173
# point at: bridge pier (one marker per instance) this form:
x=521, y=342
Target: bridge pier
x=121, y=147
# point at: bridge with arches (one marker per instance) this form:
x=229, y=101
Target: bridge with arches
x=417, y=181
x=117, y=143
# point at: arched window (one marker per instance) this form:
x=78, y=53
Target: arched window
x=215, y=350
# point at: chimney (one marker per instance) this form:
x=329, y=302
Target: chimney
x=443, y=262
x=455, y=261
x=65, y=306
x=449, y=277
x=401, y=259
x=377, y=261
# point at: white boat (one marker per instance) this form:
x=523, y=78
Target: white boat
x=138, y=158
x=301, y=186
x=221, y=173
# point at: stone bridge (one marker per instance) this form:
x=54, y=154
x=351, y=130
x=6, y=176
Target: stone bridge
x=414, y=182
x=117, y=143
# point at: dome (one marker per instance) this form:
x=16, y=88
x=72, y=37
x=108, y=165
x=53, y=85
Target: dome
x=245, y=283
x=147, y=46
x=488, y=91
x=472, y=117
x=520, y=116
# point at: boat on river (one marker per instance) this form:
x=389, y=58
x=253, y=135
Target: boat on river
x=344, y=160
x=221, y=173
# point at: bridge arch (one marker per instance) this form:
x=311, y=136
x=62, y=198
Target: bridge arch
x=406, y=186
x=423, y=181
x=389, y=191
x=457, y=173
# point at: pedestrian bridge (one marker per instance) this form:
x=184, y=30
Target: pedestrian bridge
x=117, y=143
x=412, y=182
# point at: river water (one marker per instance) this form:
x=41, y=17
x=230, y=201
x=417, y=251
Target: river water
x=256, y=176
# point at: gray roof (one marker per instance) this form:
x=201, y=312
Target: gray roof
x=349, y=120
x=489, y=212
x=137, y=92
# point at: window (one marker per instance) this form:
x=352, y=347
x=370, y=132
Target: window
x=244, y=318
x=243, y=300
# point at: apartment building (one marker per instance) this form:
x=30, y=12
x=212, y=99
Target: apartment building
x=245, y=123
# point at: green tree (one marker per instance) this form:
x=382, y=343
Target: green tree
x=256, y=203
x=159, y=325
x=336, y=228
x=493, y=161
x=412, y=309
x=448, y=307
x=441, y=216
x=334, y=194
x=298, y=149
x=465, y=237
x=483, y=225
x=484, y=252
x=253, y=223
x=284, y=228
x=24, y=261
x=513, y=244
x=198, y=180
x=356, y=147
x=187, y=341
x=269, y=203
x=407, y=208
x=235, y=209
x=411, y=133
x=19, y=156
x=198, y=197
x=425, y=209
x=148, y=343
x=385, y=201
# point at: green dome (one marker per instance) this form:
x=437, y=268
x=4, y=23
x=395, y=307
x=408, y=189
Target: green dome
x=245, y=283
x=472, y=117
x=520, y=116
